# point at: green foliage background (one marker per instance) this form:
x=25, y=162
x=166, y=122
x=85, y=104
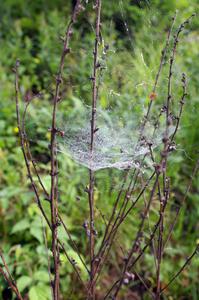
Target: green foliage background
x=30, y=31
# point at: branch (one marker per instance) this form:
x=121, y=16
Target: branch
x=92, y=133
x=27, y=163
x=8, y=277
x=181, y=269
x=163, y=55
x=53, y=150
x=194, y=172
x=109, y=241
x=127, y=261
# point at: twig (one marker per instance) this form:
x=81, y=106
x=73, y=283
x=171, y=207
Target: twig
x=127, y=261
x=195, y=170
x=163, y=55
x=53, y=150
x=142, y=128
x=108, y=243
x=23, y=148
x=181, y=269
x=114, y=229
x=148, y=218
x=144, y=284
x=47, y=255
x=166, y=150
x=138, y=257
x=8, y=277
x=182, y=102
x=92, y=133
x=75, y=248
x=22, y=143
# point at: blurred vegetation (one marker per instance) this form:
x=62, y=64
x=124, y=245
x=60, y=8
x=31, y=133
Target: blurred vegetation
x=135, y=33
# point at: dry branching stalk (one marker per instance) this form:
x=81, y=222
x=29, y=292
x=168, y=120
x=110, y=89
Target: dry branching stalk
x=93, y=131
x=4, y=270
x=53, y=198
x=53, y=149
x=157, y=186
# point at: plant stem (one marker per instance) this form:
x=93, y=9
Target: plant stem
x=93, y=128
x=181, y=269
x=53, y=150
x=8, y=277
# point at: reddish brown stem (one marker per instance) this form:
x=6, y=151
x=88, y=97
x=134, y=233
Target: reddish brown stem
x=92, y=133
x=188, y=260
x=53, y=151
x=8, y=277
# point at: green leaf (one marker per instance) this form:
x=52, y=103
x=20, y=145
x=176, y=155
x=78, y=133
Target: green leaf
x=40, y=292
x=73, y=255
x=33, y=294
x=20, y=226
x=23, y=282
x=41, y=275
x=37, y=233
x=11, y=191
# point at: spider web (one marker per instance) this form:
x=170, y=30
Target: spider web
x=117, y=142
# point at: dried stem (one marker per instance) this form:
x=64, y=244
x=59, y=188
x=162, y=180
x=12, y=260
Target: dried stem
x=53, y=150
x=128, y=260
x=188, y=260
x=23, y=143
x=131, y=265
x=122, y=206
x=8, y=277
x=109, y=235
x=182, y=102
x=195, y=170
x=144, y=284
x=109, y=241
x=163, y=55
x=25, y=147
x=54, y=166
x=104, y=242
x=167, y=143
x=93, y=131
x=74, y=245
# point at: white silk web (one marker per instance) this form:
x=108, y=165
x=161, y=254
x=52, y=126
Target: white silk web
x=117, y=142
